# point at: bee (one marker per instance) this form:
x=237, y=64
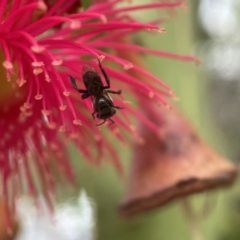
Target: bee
x=102, y=103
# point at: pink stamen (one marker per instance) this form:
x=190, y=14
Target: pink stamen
x=20, y=69
x=89, y=15
x=11, y=18
x=64, y=44
x=24, y=34
x=15, y=5
x=29, y=95
x=25, y=50
x=144, y=50
x=119, y=25
x=123, y=33
x=119, y=60
x=103, y=5
x=144, y=6
x=7, y=65
x=55, y=7
x=67, y=5
x=44, y=24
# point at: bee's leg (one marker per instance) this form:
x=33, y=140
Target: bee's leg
x=117, y=107
x=114, y=92
x=105, y=75
x=101, y=123
x=73, y=82
x=112, y=122
x=93, y=114
x=85, y=95
x=82, y=91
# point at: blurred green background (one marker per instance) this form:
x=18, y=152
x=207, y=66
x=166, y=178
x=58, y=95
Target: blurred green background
x=193, y=85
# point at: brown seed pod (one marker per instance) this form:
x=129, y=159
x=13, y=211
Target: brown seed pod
x=172, y=163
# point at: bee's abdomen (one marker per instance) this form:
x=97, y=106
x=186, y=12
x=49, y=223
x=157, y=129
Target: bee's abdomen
x=104, y=110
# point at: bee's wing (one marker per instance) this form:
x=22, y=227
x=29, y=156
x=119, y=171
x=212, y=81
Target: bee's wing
x=87, y=68
x=93, y=101
x=73, y=82
x=108, y=96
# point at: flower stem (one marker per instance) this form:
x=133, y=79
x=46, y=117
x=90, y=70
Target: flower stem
x=192, y=220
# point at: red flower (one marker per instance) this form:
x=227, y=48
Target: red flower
x=40, y=112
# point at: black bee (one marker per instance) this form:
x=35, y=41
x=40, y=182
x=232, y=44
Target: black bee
x=102, y=103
